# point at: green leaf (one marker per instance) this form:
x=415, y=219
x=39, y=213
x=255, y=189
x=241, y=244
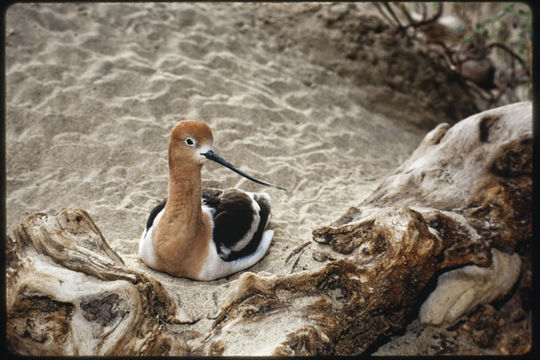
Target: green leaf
x=485, y=22
x=508, y=9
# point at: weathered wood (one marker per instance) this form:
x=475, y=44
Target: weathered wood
x=461, y=199
x=69, y=293
x=463, y=194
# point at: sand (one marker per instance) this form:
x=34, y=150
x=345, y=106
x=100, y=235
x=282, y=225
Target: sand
x=92, y=91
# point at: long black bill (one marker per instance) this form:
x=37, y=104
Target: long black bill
x=210, y=155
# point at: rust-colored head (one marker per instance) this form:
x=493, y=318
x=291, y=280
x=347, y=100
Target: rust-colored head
x=191, y=145
x=189, y=141
x=192, y=128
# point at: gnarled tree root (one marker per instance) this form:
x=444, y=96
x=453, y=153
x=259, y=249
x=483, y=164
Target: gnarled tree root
x=462, y=199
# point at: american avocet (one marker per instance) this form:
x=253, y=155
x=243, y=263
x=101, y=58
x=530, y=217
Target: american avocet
x=203, y=234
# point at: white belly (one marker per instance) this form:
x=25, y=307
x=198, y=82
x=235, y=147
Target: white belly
x=146, y=245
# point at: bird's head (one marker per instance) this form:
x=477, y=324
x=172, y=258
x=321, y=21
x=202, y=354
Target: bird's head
x=191, y=145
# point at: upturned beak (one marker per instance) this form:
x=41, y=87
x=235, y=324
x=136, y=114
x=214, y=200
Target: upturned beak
x=210, y=155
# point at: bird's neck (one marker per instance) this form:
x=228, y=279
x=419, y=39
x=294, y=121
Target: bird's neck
x=182, y=232
x=181, y=237
x=182, y=213
x=183, y=208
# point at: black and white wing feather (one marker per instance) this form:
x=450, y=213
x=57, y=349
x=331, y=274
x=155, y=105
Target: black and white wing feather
x=239, y=220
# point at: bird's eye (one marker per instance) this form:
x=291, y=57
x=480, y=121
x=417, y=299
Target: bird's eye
x=190, y=142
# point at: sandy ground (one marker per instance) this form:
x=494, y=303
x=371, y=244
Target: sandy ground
x=92, y=91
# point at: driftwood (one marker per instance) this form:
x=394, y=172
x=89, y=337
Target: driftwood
x=461, y=203
x=69, y=293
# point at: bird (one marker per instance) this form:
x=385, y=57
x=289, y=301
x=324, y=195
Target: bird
x=204, y=234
